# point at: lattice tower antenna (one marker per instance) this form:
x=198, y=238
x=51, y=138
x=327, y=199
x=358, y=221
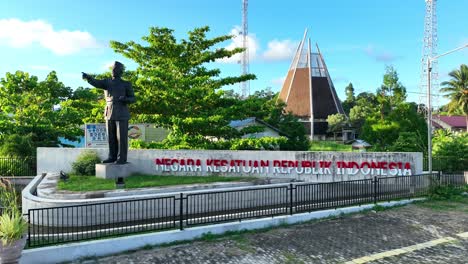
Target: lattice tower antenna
x=429, y=51
x=245, y=86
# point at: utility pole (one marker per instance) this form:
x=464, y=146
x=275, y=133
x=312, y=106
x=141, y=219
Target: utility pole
x=245, y=86
x=429, y=70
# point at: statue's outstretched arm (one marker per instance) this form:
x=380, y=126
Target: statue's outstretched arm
x=94, y=82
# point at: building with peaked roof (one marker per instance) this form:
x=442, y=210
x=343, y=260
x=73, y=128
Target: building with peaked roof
x=269, y=130
x=308, y=90
x=453, y=123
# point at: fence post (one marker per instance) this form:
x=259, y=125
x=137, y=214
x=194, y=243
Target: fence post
x=291, y=203
x=181, y=212
x=29, y=228
x=376, y=182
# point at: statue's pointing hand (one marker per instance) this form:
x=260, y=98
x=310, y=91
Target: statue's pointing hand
x=84, y=76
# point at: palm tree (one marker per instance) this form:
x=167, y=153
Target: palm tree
x=457, y=91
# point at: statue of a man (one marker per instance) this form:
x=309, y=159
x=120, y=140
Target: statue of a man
x=118, y=93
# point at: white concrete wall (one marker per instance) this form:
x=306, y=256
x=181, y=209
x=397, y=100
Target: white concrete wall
x=56, y=159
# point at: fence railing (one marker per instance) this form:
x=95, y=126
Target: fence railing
x=90, y=221
x=17, y=166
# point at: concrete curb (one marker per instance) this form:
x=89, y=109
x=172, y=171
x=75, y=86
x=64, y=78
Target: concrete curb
x=73, y=251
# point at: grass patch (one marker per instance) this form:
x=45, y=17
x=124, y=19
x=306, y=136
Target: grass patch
x=328, y=146
x=459, y=203
x=91, y=183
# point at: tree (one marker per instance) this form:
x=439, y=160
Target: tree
x=457, y=91
x=349, y=92
x=350, y=99
x=365, y=107
x=173, y=86
x=391, y=93
x=450, y=151
x=336, y=123
x=33, y=109
x=408, y=142
x=390, y=120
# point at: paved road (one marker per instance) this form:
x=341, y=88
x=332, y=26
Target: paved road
x=410, y=234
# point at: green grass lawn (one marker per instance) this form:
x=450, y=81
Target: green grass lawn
x=91, y=183
x=328, y=146
x=458, y=203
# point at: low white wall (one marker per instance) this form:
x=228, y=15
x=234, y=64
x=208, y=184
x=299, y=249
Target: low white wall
x=303, y=165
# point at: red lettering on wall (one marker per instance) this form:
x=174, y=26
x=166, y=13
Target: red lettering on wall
x=306, y=164
x=407, y=166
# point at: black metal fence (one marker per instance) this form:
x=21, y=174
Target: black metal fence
x=90, y=221
x=17, y=166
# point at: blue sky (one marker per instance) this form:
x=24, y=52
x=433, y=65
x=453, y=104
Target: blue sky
x=357, y=38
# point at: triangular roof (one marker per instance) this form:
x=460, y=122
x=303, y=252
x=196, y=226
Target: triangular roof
x=308, y=89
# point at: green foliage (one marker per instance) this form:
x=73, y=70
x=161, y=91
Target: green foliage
x=9, y=198
x=295, y=131
x=380, y=133
x=252, y=129
x=409, y=142
x=391, y=93
x=17, y=145
x=388, y=122
x=85, y=163
x=174, y=86
x=17, y=166
x=12, y=224
x=328, y=146
x=441, y=192
x=365, y=107
x=12, y=227
x=350, y=101
x=264, y=143
x=29, y=108
x=457, y=91
x=336, y=122
x=450, y=151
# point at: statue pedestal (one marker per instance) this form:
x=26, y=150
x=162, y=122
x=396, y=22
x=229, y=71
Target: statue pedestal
x=114, y=171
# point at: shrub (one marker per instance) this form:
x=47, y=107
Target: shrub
x=12, y=227
x=450, y=151
x=440, y=192
x=12, y=224
x=17, y=145
x=85, y=163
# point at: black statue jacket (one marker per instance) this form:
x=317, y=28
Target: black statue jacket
x=114, y=89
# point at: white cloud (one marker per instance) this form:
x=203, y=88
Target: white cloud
x=41, y=67
x=252, y=44
x=278, y=81
x=108, y=65
x=19, y=34
x=279, y=50
x=379, y=55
